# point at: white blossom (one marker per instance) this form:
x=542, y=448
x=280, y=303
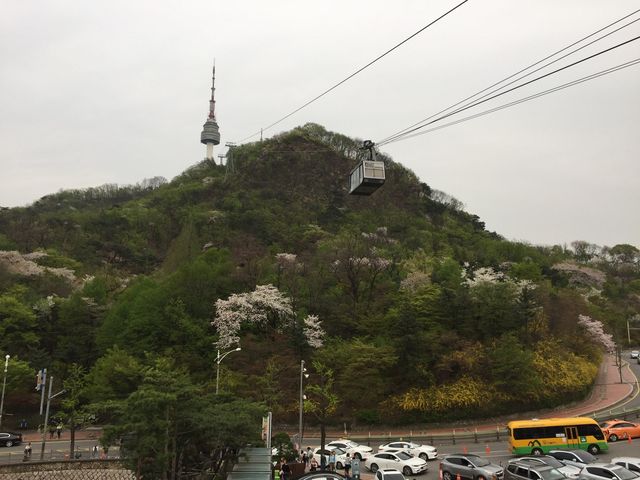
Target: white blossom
x=313, y=332
x=484, y=275
x=285, y=259
x=595, y=329
x=265, y=302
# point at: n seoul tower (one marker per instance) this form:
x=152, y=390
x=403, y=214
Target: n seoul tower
x=210, y=135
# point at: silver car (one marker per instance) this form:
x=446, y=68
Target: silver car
x=528, y=471
x=630, y=463
x=569, y=471
x=469, y=466
x=606, y=471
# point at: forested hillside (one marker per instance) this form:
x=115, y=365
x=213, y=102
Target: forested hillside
x=404, y=308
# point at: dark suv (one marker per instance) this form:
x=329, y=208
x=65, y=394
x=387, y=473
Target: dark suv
x=528, y=471
x=469, y=467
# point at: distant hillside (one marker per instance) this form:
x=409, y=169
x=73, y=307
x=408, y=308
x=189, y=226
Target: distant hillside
x=416, y=302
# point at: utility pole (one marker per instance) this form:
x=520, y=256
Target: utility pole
x=4, y=384
x=303, y=375
x=46, y=416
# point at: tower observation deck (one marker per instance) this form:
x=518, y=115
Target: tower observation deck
x=210, y=134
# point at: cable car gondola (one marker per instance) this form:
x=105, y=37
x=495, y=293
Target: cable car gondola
x=368, y=175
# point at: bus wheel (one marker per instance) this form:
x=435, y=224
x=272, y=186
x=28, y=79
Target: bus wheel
x=537, y=452
x=613, y=437
x=594, y=449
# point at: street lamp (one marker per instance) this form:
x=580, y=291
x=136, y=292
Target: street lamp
x=219, y=358
x=303, y=375
x=4, y=384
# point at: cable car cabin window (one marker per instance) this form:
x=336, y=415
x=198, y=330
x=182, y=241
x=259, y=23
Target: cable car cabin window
x=366, y=178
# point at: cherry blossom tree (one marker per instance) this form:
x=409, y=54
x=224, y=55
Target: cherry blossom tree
x=595, y=330
x=266, y=306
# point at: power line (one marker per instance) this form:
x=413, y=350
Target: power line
x=355, y=73
x=401, y=132
x=525, y=99
x=508, y=91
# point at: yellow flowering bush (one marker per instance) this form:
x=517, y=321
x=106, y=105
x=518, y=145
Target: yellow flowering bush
x=467, y=393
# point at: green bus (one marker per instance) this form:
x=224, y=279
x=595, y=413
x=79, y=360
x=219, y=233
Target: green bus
x=538, y=436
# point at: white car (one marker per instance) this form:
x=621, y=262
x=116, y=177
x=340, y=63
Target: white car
x=630, y=463
x=318, y=453
x=425, y=452
x=635, y=353
x=356, y=450
x=401, y=460
x=389, y=474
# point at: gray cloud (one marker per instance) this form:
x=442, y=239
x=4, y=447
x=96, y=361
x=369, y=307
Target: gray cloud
x=100, y=93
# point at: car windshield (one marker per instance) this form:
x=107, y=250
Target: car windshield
x=403, y=455
x=339, y=451
x=552, y=474
x=624, y=474
x=352, y=444
x=479, y=462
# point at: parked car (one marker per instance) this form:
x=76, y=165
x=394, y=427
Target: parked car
x=630, y=463
x=425, y=452
x=400, y=460
x=577, y=458
x=606, y=471
x=389, y=474
x=635, y=353
x=469, y=466
x=569, y=471
x=616, y=429
x=358, y=451
x=318, y=454
x=321, y=475
x=9, y=439
x=530, y=471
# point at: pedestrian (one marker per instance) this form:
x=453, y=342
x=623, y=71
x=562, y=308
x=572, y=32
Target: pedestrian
x=347, y=466
x=52, y=430
x=94, y=452
x=285, y=470
x=305, y=459
x=309, y=453
x=332, y=461
x=313, y=466
x=59, y=430
x=27, y=451
x=355, y=467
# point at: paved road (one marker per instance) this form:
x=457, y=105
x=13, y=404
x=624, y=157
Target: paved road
x=55, y=449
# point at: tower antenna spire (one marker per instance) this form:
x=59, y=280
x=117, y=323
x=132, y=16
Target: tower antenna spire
x=212, y=102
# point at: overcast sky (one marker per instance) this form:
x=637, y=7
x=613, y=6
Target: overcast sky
x=114, y=92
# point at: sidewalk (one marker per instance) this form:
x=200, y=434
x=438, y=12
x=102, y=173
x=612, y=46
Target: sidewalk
x=92, y=433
